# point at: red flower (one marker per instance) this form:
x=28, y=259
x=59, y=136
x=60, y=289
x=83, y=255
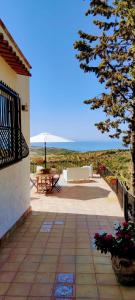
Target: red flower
x=125, y=224
x=109, y=237
x=123, y=243
x=97, y=235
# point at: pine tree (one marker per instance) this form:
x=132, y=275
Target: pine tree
x=111, y=55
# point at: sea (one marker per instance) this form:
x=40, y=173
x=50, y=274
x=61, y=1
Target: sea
x=85, y=146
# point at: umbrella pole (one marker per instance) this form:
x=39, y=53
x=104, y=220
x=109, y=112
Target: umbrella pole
x=45, y=155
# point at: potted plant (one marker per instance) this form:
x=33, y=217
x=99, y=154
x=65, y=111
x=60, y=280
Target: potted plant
x=122, y=249
x=45, y=171
x=111, y=180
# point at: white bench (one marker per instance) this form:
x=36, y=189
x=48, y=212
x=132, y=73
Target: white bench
x=90, y=170
x=77, y=173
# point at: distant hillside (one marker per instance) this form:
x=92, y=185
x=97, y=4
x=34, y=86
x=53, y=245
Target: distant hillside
x=35, y=151
x=117, y=160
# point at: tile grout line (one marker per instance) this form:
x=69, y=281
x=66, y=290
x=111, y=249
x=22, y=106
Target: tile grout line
x=16, y=272
x=65, y=223
x=93, y=258
x=40, y=261
x=57, y=264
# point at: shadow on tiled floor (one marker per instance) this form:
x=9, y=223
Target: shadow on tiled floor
x=78, y=192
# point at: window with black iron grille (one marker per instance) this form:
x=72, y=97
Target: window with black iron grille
x=12, y=143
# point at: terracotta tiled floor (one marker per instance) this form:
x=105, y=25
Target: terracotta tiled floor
x=62, y=263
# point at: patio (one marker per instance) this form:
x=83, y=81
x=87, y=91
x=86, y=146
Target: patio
x=51, y=256
x=94, y=197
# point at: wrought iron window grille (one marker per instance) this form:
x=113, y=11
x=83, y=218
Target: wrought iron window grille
x=13, y=146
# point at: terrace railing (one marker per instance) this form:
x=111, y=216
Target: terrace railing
x=126, y=199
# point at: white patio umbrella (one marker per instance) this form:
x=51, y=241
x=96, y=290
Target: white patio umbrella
x=46, y=137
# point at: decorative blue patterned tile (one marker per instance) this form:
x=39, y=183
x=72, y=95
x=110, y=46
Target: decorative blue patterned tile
x=45, y=228
x=63, y=291
x=48, y=223
x=59, y=222
x=62, y=298
x=65, y=278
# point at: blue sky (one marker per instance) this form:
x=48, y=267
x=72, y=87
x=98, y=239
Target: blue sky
x=45, y=30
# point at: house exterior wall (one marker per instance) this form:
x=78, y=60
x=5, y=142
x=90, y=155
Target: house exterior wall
x=14, y=180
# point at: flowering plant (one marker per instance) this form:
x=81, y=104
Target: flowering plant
x=111, y=178
x=121, y=245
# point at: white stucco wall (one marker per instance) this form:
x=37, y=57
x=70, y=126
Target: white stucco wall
x=14, y=180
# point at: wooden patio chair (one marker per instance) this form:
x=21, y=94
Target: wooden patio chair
x=44, y=184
